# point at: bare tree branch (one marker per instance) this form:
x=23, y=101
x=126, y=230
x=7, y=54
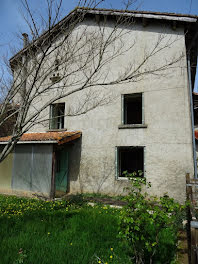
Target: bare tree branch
x=72, y=57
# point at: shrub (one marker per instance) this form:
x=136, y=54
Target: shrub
x=149, y=225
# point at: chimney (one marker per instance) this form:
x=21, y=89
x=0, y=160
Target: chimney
x=25, y=39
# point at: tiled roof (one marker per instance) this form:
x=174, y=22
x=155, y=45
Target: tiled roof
x=138, y=12
x=57, y=137
x=157, y=15
x=196, y=134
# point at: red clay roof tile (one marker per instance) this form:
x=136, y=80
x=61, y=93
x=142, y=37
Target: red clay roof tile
x=196, y=134
x=59, y=137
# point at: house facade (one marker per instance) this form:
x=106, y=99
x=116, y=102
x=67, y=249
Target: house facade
x=145, y=126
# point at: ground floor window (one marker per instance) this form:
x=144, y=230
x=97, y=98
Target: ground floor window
x=130, y=159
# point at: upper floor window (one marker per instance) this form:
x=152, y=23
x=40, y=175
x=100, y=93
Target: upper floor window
x=132, y=109
x=57, y=116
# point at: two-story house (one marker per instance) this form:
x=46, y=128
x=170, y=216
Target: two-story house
x=147, y=125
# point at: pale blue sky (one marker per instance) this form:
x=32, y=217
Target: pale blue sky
x=11, y=21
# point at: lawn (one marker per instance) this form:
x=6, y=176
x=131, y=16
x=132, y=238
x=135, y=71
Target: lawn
x=44, y=232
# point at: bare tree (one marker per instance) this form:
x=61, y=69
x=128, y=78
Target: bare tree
x=67, y=57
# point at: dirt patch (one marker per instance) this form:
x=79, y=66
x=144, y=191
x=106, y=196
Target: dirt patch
x=107, y=201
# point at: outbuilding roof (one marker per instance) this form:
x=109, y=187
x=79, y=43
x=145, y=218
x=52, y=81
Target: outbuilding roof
x=47, y=137
x=196, y=134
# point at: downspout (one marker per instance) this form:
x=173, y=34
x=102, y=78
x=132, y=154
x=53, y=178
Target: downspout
x=192, y=116
x=24, y=61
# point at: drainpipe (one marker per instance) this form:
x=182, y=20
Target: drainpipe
x=192, y=117
x=24, y=61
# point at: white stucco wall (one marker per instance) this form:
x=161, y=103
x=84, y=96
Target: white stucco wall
x=168, y=136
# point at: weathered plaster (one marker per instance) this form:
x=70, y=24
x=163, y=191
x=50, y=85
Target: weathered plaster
x=168, y=136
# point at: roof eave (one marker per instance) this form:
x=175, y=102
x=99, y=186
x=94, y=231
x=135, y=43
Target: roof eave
x=32, y=142
x=137, y=14
x=144, y=15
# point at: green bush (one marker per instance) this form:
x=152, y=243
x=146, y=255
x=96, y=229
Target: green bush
x=149, y=225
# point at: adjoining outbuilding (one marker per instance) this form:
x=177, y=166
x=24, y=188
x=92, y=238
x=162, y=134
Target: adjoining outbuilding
x=38, y=163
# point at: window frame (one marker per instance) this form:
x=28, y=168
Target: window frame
x=123, y=110
x=55, y=119
x=117, y=162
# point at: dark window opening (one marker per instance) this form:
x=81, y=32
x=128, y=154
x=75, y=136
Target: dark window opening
x=57, y=112
x=133, y=108
x=130, y=159
x=56, y=63
x=196, y=117
x=195, y=104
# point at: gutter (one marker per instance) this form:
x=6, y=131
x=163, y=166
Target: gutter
x=109, y=12
x=192, y=117
x=161, y=16
x=32, y=142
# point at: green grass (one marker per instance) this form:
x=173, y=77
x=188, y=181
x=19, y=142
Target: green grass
x=58, y=232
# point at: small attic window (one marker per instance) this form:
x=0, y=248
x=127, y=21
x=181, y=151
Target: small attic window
x=56, y=63
x=56, y=77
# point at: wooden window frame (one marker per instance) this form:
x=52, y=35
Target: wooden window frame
x=56, y=122
x=123, y=109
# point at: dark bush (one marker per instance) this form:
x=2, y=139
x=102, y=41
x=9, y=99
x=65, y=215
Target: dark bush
x=149, y=225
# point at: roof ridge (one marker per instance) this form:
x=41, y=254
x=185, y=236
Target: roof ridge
x=80, y=9
x=138, y=11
